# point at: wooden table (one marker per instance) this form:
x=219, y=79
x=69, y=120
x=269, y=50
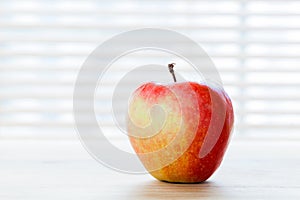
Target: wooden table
x=62, y=169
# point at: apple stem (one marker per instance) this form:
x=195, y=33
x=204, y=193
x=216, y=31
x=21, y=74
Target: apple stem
x=171, y=66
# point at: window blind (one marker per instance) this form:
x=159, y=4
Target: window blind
x=255, y=45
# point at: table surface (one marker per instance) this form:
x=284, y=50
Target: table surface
x=62, y=169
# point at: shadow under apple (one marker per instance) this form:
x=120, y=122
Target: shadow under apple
x=161, y=190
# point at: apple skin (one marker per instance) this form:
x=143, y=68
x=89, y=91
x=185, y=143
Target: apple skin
x=214, y=118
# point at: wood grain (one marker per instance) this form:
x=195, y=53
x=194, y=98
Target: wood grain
x=53, y=169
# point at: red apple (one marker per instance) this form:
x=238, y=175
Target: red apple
x=180, y=131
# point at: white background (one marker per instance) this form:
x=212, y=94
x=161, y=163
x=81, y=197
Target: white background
x=254, y=44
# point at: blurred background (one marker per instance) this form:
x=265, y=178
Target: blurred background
x=255, y=45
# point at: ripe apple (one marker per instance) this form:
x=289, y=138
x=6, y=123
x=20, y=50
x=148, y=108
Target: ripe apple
x=180, y=131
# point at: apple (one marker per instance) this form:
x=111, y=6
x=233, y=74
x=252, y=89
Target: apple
x=180, y=131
